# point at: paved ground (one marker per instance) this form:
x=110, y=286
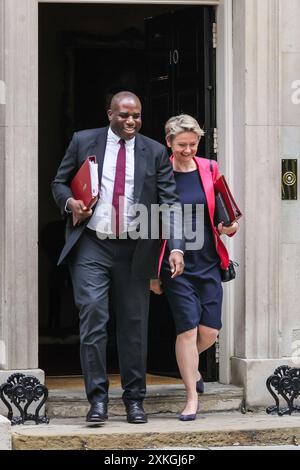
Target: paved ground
x=209, y=430
x=257, y=448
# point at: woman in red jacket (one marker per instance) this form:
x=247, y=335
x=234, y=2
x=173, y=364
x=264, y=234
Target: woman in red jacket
x=195, y=297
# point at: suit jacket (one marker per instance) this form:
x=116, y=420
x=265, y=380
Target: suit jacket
x=208, y=179
x=153, y=184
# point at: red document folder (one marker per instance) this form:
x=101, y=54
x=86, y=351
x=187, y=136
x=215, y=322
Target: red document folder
x=226, y=210
x=82, y=186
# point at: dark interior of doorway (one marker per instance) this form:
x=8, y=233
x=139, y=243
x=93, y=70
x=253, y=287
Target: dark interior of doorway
x=87, y=53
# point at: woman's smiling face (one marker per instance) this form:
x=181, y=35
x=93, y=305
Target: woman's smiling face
x=184, y=146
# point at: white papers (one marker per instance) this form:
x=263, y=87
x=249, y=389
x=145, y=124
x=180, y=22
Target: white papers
x=94, y=178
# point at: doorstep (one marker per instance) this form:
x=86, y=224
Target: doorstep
x=67, y=403
x=162, y=431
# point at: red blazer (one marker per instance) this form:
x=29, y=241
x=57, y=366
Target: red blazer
x=207, y=178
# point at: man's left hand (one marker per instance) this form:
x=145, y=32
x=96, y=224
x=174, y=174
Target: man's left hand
x=176, y=264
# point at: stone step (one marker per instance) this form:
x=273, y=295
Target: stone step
x=5, y=434
x=208, y=430
x=160, y=399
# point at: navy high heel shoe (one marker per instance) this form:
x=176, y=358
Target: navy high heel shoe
x=200, y=386
x=190, y=417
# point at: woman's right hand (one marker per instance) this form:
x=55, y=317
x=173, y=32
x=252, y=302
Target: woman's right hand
x=156, y=286
x=230, y=230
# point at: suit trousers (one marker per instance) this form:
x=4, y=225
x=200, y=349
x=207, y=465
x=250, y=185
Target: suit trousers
x=99, y=268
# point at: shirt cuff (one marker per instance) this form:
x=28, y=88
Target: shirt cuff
x=66, y=206
x=179, y=251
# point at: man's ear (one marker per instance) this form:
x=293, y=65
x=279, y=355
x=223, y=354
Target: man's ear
x=109, y=114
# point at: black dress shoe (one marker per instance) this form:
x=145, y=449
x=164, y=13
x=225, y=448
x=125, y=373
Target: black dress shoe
x=97, y=413
x=135, y=412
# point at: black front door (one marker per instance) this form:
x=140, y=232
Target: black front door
x=181, y=80
x=181, y=71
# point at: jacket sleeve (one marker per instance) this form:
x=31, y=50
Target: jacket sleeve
x=216, y=173
x=167, y=194
x=61, y=184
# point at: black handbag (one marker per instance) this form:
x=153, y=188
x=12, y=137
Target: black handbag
x=229, y=273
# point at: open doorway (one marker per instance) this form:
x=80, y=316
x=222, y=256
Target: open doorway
x=164, y=54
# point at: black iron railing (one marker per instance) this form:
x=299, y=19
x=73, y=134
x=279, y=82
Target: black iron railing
x=285, y=384
x=21, y=391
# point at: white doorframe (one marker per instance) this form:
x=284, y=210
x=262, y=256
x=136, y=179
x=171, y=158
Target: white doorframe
x=225, y=128
x=225, y=160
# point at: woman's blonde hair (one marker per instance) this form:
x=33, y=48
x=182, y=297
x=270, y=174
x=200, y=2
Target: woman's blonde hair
x=182, y=123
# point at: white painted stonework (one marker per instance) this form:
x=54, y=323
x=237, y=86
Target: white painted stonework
x=290, y=148
x=2, y=92
x=5, y=434
x=253, y=374
x=18, y=185
x=268, y=326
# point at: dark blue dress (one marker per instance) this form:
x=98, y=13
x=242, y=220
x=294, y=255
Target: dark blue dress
x=195, y=297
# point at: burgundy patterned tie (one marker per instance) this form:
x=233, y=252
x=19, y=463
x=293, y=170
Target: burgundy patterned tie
x=119, y=187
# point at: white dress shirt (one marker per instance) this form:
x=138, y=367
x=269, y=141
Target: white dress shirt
x=102, y=217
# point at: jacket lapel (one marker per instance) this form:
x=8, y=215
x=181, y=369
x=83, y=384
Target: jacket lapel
x=98, y=148
x=208, y=186
x=140, y=165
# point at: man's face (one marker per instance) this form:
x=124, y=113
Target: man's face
x=125, y=118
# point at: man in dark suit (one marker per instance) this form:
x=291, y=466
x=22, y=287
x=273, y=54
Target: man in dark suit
x=138, y=168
